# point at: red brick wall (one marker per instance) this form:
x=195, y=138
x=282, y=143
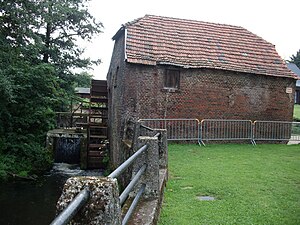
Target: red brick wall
x=136, y=91
x=115, y=81
x=207, y=94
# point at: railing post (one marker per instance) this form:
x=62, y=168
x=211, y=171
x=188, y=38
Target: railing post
x=151, y=176
x=137, y=131
x=163, y=148
x=103, y=206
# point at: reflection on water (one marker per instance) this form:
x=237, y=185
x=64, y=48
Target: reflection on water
x=33, y=202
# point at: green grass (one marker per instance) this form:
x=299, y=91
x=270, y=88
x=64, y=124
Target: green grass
x=252, y=185
x=297, y=112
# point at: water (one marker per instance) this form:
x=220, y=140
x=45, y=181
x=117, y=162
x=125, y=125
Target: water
x=67, y=150
x=34, y=202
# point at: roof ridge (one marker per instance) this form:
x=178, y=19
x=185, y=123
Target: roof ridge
x=181, y=20
x=133, y=21
x=154, y=40
x=230, y=26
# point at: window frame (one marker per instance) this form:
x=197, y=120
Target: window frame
x=172, y=83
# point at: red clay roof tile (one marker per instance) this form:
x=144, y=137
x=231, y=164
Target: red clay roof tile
x=156, y=40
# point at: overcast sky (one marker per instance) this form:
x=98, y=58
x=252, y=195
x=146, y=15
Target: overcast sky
x=275, y=21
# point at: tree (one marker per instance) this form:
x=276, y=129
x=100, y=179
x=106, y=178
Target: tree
x=62, y=23
x=295, y=59
x=47, y=31
x=83, y=79
x=38, y=54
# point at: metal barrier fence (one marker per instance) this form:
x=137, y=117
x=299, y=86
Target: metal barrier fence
x=226, y=130
x=177, y=129
x=276, y=131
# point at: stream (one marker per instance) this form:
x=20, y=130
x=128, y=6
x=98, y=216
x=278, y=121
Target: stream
x=33, y=202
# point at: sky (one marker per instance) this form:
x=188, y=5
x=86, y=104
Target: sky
x=276, y=21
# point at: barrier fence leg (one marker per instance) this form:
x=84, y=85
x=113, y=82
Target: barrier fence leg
x=200, y=135
x=253, y=135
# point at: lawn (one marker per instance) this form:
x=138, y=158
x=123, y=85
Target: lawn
x=252, y=185
x=297, y=112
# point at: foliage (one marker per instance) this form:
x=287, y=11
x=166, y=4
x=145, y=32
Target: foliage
x=82, y=79
x=37, y=160
x=38, y=54
x=295, y=59
x=297, y=112
x=252, y=185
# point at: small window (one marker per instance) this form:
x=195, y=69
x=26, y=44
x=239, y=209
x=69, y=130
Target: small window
x=172, y=79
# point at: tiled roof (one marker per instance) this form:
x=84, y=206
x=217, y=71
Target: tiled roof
x=294, y=68
x=156, y=40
